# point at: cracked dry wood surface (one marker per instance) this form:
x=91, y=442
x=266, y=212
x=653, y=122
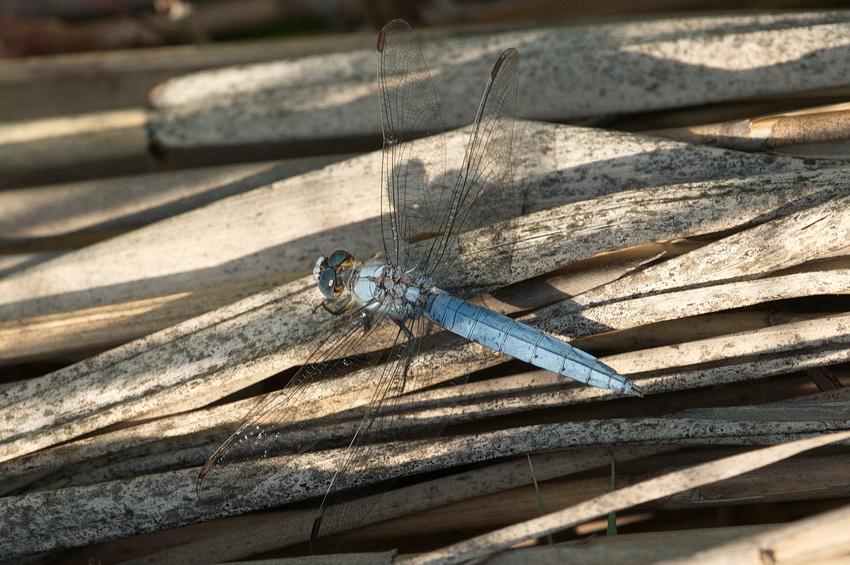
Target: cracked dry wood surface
x=721, y=273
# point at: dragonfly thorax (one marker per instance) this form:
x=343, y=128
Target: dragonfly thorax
x=401, y=293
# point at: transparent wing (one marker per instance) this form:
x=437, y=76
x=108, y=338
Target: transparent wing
x=322, y=392
x=417, y=203
x=483, y=193
x=368, y=471
x=353, y=492
x=414, y=155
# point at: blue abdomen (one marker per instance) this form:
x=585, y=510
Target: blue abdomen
x=523, y=342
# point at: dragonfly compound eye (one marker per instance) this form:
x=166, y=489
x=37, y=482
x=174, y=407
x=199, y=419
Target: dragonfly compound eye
x=339, y=257
x=327, y=284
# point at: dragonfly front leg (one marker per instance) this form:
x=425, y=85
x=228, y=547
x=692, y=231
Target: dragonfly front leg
x=337, y=307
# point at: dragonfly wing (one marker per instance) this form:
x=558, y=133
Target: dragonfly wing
x=332, y=383
x=345, y=507
x=418, y=202
x=414, y=156
x=483, y=193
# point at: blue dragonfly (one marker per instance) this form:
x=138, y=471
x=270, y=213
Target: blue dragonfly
x=390, y=308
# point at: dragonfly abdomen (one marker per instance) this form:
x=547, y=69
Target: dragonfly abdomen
x=523, y=342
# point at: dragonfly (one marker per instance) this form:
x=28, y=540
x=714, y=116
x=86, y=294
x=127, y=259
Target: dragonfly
x=389, y=308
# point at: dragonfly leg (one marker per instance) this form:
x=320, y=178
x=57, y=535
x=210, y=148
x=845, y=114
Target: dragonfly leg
x=411, y=340
x=337, y=307
x=367, y=321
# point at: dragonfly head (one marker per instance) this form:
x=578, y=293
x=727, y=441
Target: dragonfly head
x=334, y=272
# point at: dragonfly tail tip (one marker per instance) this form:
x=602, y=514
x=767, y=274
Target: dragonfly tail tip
x=633, y=390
